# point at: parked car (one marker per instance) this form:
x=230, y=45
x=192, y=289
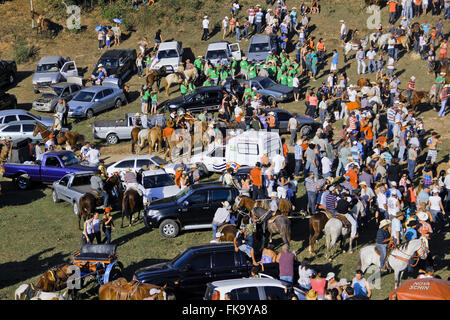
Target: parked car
x=223, y=50
x=92, y=100
x=114, y=131
x=189, y=272
x=7, y=101
x=118, y=63
x=7, y=116
x=71, y=187
x=170, y=55
x=20, y=130
x=305, y=124
x=259, y=48
x=209, y=98
x=136, y=162
x=267, y=88
x=192, y=208
x=159, y=184
x=8, y=72
x=264, y=288
x=51, y=70
x=54, y=166
x=51, y=95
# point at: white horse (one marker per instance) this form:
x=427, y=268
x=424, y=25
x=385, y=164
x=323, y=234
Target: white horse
x=354, y=46
x=398, y=260
x=29, y=292
x=333, y=230
x=142, y=139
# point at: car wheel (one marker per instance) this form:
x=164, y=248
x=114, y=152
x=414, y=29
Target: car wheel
x=89, y=113
x=305, y=130
x=112, y=138
x=23, y=183
x=118, y=104
x=75, y=208
x=55, y=197
x=169, y=228
x=270, y=99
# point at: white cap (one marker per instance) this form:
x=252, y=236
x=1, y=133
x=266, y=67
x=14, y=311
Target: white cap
x=330, y=276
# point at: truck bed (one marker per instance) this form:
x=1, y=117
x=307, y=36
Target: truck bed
x=82, y=188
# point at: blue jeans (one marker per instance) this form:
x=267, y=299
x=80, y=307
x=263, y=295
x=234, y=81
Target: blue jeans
x=289, y=279
x=411, y=169
x=298, y=166
x=107, y=236
x=447, y=13
x=401, y=153
x=215, y=226
x=382, y=248
x=238, y=34
x=310, y=167
x=390, y=127
x=312, y=202
x=443, y=107
x=409, y=12
x=372, y=63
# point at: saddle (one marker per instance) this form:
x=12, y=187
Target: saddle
x=344, y=220
x=97, y=195
x=135, y=189
x=123, y=289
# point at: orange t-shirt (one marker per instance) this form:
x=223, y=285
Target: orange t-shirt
x=285, y=150
x=381, y=140
x=353, y=178
x=177, y=178
x=392, y=6
x=255, y=176
x=304, y=145
x=167, y=132
x=321, y=46
x=367, y=132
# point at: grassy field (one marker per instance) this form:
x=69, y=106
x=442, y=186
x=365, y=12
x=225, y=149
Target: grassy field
x=36, y=234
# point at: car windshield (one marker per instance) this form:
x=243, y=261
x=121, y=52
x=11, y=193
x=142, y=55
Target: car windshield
x=50, y=67
x=266, y=82
x=259, y=47
x=70, y=159
x=167, y=54
x=215, y=54
x=182, y=193
x=84, y=96
x=158, y=181
x=159, y=161
x=109, y=62
x=181, y=259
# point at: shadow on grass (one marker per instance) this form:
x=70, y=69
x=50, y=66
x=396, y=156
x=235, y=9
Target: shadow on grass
x=13, y=197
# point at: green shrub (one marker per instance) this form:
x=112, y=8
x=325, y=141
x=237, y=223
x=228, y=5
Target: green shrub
x=22, y=51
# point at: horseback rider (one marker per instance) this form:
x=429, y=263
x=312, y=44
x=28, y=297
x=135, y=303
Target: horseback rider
x=383, y=238
x=102, y=169
x=221, y=216
x=56, y=126
x=98, y=185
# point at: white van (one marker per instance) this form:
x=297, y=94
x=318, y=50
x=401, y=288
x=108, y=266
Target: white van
x=245, y=149
x=224, y=50
x=170, y=54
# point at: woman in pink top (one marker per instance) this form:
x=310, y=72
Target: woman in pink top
x=313, y=101
x=318, y=284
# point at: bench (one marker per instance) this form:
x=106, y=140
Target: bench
x=96, y=252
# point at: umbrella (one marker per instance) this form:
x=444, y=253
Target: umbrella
x=422, y=289
x=116, y=20
x=98, y=28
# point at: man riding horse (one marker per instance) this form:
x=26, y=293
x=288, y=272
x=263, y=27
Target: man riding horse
x=98, y=185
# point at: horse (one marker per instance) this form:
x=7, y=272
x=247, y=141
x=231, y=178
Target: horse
x=73, y=137
x=354, y=46
x=398, y=259
x=134, y=137
x=177, y=78
x=227, y=232
x=152, y=136
x=89, y=202
x=44, y=24
x=191, y=74
x=155, y=76
x=120, y=289
x=131, y=202
x=316, y=225
x=417, y=98
x=54, y=279
x=30, y=292
x=335, y=229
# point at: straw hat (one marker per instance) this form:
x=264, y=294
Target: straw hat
x=422, y=216
x=170, y=123
x=55, y=116
x=384, y=223
x=226, y=205
x=343, y=282
x=194, y=166
x=311, y=295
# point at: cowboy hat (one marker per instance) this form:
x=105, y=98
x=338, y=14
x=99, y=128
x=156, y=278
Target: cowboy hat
x=363, y=183
x=341, y=21
x=330, y=276
x=422, y=216
x=194, y=165
x=442, y=73
x=100, y=65
x=137, y=114
x=384, y=223
x=311, y=295
x=205, y=17
x=55, y=116
x=343, y=282
x=179, y=169
x=127, y=169
x=226, y=205
x=154, y=291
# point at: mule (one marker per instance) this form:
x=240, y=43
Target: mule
x=399, y=258
x=132, y=202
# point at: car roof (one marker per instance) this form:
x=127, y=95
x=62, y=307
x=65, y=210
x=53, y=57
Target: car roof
x=260, y=39
x=155, y=172
x=22, y=122
x=50, y=59
x=217, y=44
x=114, y=53
x=210, y=88
x=168, y=45
x=63, y=84
x=247, y=282
x=95, y=88
x=206, y=246
x=58, y=153
x=13, y=111
x=136, y=157
x=209, y=185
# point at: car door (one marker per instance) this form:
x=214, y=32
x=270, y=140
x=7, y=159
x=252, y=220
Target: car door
x=235, y=49
x=61, y=188
x=52, y=169
x=10, y=118
x=225, y=265
x=27, y=132
x=13, y=130
x=142, y=162
x=69, y=69
x=99, y=102
x=212, y=100
x=108, y=96
x=247, y=293
x=195, y=209
x=122, y=165
x=274, y=293
x=196, y=275
x=283, y=121
x=74, y=88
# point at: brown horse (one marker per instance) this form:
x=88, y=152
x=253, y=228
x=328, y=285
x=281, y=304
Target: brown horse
x=152, y=136
x=417, y=98
x=54, y=279
x=131, y=203
x=120, y=289
x=89, y=201
x=316, y=225
x=155, y=76
x=134, y=138
x=227, y=232
x=285, y=206
x=73, y=137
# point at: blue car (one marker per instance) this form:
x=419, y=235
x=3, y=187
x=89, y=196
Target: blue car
x=93, y=100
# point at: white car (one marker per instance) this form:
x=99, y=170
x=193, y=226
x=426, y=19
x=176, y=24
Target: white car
x=263, y=288
x=158, y=184
x=136, y=162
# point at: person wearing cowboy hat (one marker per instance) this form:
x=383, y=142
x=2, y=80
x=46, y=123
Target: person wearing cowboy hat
x=221, y=216
x=382, y=238
x=195, y=174
x=56, y=126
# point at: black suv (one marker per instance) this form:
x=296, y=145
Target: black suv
x=189, y=272
x=8, y=71
x=118, y=62
x=209, y=98
x=193, y=208
x=7, y=101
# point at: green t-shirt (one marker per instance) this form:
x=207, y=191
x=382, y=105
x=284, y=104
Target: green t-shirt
x=183, y=88
x=224, y=74
x=244, y=65
x=234, y=65
x=214, y=74
x=198, y=63
x=271, y=70
x=290, y=81
x=252, y=73
x=154, y=97
x=284, y=79
x=207, y=83
x=146, y=96
x=440, y=80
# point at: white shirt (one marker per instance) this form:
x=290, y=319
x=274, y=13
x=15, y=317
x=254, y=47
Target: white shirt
x=205, y=23
x=225, y=23
x=343, y=29
x=381, y=200
x=352, y=95
x=278, y=161
x=447, y=181
x=391, y=43
x=434, y=203
x=326, y=165
x=222, y=215
x=295, y=82
x=292, y=124
x=390, y=63
x=93, y=156
x=371, y=54
x=393, y=206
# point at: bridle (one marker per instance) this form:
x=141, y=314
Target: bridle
x=421, y=252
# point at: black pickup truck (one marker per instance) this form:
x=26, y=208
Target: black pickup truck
x=118, y=63
x=190, y=271
x=8, y=72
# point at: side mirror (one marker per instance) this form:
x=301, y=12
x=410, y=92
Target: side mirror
x=185, y=204
x=96, y=100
